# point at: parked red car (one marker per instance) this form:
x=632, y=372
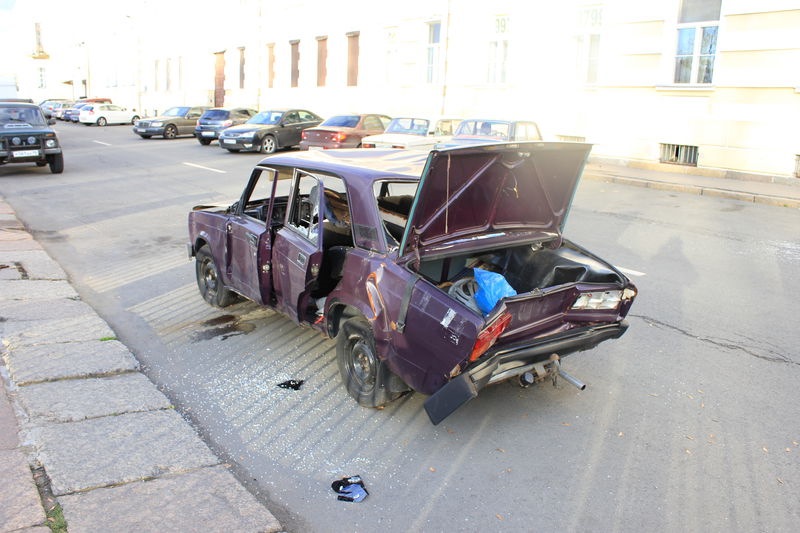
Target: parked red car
x=343, y=131
x=441, y=273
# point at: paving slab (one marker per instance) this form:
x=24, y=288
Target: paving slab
x=118, y=449
x=69, y=329
x=19, y=310
x=20, y=506
x=208, y=500
x=48, y=362
x=35, y=264
x=33, y=289
x=79, y=399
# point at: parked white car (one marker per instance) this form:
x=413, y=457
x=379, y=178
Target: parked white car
x=411, y=132
x=102, y=114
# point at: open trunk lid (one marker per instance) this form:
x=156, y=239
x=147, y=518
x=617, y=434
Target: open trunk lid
x=494, y=195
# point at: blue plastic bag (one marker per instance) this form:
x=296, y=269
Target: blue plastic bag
x=491, y=288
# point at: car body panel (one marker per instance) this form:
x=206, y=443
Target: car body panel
x=216, y=119
x=182, y=118
x=315, y=235
x=403, y=133
x=285, y=126
x=26, y=136
x=343, y=131
x=95, y=113
x=482, y=131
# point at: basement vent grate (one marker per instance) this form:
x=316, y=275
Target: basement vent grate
x=679, y=154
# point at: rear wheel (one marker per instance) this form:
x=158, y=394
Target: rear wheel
x=204, y=142
x=268, y=145
x=102, y=121
x=365, y=376
x=209, y=282
x=135, y=119
x=56, y=162
x=170, y=132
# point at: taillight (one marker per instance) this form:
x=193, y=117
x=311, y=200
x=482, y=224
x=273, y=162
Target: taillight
x=367, y=145
x=304, y=135
x=489, y=336
x=227, y=124
x=339, y=137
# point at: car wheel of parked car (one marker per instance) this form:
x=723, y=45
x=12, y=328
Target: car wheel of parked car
x=56, y=162
x=145, y=136
x=204, y=142
x=364, y=375
x=209, y=282
x=102, y=121
x=268, y=145
x=170, y=132
x=134, y=120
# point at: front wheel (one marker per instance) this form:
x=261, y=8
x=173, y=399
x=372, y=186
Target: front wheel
x=268, y=145
x=365, y=376
x=145, y=136
x=204, y=142
x=56, y=162
x=170, y=132
x=102, y=121
x=209, y=282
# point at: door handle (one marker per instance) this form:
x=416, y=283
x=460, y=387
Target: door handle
x=301, y=258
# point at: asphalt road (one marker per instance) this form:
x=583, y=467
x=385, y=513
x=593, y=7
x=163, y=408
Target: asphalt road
x=689, y=422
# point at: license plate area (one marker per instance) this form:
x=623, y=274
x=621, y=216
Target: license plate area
x=24, y=153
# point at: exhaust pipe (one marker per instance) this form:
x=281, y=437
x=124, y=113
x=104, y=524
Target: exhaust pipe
x=571, y=379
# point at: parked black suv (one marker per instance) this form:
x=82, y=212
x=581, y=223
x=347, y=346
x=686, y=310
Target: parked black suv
x=26, y=137
x=217, y=119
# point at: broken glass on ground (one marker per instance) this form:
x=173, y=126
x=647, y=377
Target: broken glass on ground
x=293, y=384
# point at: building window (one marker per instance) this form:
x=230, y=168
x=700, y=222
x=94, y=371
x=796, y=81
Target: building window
x=168, y=72
x=156, y=79
x=322, y=60
x=590, y=20
x=271, y=65
x=42, y=78
x=434, y=47
x=498, y=51
x=698, y=22
x=352, y=59
x=295, y=62
x=241, y=67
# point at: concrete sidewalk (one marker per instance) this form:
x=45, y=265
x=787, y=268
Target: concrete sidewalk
x=84, y=436
x=770, y=190
x=79, y=419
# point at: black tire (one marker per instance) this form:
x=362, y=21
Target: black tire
x=268, y=145
x=102, y=121
x=134, y=120
x=170, y=132
x=209, y=282
x=145, y=136
x=56, y=162
x=364, y=375
x=204, y=142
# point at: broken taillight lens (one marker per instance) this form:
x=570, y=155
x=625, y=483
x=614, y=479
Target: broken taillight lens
x=489, y=336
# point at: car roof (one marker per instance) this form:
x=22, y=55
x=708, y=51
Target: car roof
x=356, y=165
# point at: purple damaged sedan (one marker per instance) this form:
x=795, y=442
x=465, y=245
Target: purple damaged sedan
x=440, y=273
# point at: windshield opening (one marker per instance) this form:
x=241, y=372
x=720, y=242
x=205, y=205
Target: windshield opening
x=266, y=117
x=11, y=117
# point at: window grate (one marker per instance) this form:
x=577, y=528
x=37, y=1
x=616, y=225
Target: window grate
x=797, y=166
x=679, y=154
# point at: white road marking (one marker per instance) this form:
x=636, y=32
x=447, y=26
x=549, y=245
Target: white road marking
x=630, y=272
x=205, y=168
x=101, y=142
